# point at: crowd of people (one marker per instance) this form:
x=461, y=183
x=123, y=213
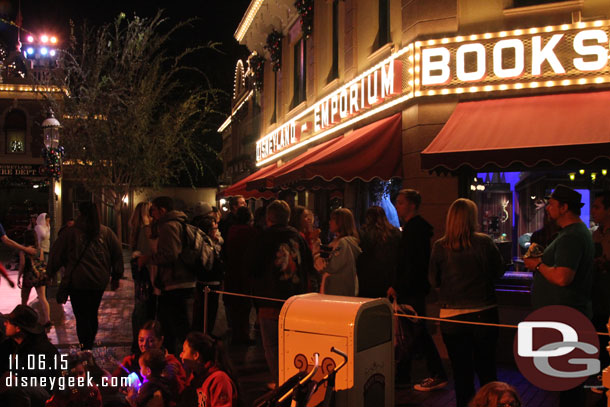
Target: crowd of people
x=278, y=252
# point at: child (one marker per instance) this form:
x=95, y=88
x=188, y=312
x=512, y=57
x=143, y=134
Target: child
x=33, y=273
x=157, y=389
x=82, y=396
x=210, y=383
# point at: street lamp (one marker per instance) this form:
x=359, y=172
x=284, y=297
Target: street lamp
x=53, y=154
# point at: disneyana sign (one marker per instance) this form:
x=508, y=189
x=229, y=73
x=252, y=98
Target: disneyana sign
x=553, y=56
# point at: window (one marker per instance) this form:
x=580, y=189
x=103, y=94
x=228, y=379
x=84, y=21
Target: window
x=512, y=204
x=383, y=35
x=298, y=93
x=14, y=129
x=274, y=114
x=334, y=68
x=526, y=3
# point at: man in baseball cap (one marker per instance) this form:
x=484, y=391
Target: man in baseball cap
x=564, y=273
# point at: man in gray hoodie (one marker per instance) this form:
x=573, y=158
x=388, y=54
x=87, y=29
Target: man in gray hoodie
x=176, y=282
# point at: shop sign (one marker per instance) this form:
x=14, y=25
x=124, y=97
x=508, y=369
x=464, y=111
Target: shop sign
x=554, y=56
x=279, y=139
x=363, y=94
x=380, y=84
x=569, y=54
x=21, y=170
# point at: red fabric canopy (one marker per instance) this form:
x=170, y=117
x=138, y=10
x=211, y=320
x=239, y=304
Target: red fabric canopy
x=526, y=130
x=373, y=151
x=239, y=188
x=267, y=180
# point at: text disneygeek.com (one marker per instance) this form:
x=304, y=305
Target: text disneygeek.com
x=63, y=382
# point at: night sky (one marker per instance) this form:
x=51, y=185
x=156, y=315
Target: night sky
x=218, y=22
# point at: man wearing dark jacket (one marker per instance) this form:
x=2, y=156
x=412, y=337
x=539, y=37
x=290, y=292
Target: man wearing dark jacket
x=411, y=285
x=281, y=262
x=176, y=282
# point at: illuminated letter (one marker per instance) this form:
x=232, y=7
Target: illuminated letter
x=316, y=118
x=460, y=58
x=324, y=114
x=334, y=108
x=387, y=80
x=372, y=99
x=515, y=71
x=442, y=65
x=353, y=98
x=362, y=97
x=539, y=54
x=275, y=143
x=343, y=104
x=258, y=150
x=293, y=132
x=602, y=52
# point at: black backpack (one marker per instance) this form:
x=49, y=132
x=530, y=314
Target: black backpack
x=198, y=252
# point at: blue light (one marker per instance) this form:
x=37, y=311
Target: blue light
x=30, y=50
x=44, y=51
x=134, y=380
x=585, y=211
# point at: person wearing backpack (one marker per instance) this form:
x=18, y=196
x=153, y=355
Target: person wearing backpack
x=174, y=278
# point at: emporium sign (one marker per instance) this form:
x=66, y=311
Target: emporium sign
x=554, y=56
x=381, y=83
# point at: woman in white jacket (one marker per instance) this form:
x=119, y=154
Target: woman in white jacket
x=339, y=268
x=43, y=232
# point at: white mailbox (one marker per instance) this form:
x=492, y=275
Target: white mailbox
x=360, y=327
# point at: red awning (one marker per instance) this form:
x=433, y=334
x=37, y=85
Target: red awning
x=266, y=180
x=239, y=188
x=373, y=151
x=532, y=130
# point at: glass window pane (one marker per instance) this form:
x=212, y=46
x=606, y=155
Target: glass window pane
x=15, y=141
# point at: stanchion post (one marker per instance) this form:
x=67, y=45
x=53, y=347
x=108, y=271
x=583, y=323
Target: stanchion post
x=606, y=371
x=206, y=292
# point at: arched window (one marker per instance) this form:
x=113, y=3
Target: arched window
x=15, y=125
x=383, y=35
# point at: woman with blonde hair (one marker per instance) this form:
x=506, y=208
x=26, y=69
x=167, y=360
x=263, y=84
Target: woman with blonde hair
x=496, y=394
x=337, y=264
x=141, y=244
x=463, y=267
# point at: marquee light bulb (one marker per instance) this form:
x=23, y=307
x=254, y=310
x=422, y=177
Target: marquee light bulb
x=44, y=39
x=30, y=50
x=44, y=51
x=30, y=38
x=572, y=176
x=53, y=40
x=582, y=172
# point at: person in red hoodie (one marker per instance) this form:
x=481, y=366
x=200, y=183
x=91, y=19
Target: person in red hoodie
x=209, y=382
x=151, y=337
